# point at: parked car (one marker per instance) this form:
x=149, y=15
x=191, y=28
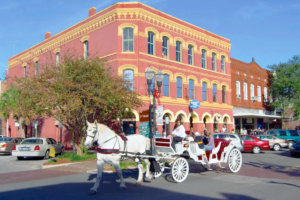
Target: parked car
x=295, y=149
x=254, y=144
x=6, y=144
x=275, y=143
x=2, y=136
x=232, y=137
x=291, y=136
x=36, y=147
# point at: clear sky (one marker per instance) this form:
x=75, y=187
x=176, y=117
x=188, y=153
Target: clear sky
x=268, y=30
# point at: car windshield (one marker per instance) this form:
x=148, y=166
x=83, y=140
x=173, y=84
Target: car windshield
x=32, y=141
x=5, y=139
x=293, y=133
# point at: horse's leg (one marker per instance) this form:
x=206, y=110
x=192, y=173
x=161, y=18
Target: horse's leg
x=148, y=174
x=116, y=165
x=100, y=164
x=140, y=167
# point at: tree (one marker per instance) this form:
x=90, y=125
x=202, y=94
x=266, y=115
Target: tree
x=73, y=92
x=285, y=85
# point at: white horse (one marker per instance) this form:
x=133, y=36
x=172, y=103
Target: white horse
x=109, y=147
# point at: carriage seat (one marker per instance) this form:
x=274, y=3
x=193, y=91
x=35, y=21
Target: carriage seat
x=213, y=154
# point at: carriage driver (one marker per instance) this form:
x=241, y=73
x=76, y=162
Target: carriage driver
x=178, y=133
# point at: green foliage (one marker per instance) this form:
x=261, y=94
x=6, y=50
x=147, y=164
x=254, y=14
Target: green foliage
x=285, y=85
x=75, y=158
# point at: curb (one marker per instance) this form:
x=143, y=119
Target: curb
x=57, y=165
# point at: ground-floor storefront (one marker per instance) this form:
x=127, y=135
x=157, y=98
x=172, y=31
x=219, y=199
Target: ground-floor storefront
x=255, y=120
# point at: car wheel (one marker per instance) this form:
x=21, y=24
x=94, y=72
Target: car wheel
x=290, y=143
x=20, y=158
x=276, y=147
x=256, y=149
x=46, y=157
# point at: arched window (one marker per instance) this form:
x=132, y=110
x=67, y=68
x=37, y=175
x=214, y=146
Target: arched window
x=86, y=49
x=178, y=51
x=204, y=91
x=25, y=72
x=37, y=68
x=214, y=92
x=223, y=64
x=245, y=91
x=166, y=85
x=203, y=63
x=179, y=87
x=213, y=61
x=128, y=40
x=165, y=46
x=238, y=89
x=223, y=94
x=57, y=58
x=191, y=89
x=258, y=93
x=128, y=77
x=252, y=92
x=190, y=54
x=151, y=43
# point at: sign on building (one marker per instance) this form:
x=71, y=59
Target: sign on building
x=159, y=115
x=144, y=123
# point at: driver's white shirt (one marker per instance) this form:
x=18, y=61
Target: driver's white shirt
x=179, y=131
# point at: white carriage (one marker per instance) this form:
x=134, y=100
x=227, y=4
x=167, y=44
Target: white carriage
x=177, y=159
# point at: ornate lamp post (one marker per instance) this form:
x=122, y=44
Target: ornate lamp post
x=151, y=79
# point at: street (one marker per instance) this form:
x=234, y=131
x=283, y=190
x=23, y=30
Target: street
x=270, y=175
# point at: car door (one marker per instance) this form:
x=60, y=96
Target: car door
x=249, y=143
x=56, y=145
x=283, y=134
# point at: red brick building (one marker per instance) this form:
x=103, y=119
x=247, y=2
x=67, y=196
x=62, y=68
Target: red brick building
x=132, y=37
x=250, y=96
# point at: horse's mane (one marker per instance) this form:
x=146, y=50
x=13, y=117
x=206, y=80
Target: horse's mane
x=103, y=127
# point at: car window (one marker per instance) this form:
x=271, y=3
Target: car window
x=53, y=141
x=282, y=133
x=5, y=139
x=232, y=136
x=222, y=136
x=272, y=132
x=269, y=137
x=248, y=138
x=293, y=133
x=32, y=141
x=215, y=136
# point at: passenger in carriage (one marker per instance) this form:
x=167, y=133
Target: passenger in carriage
x=211, y=142
x=178, y=133
x=198, y=138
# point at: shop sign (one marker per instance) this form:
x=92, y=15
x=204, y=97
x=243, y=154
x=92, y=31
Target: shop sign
x=194, y=104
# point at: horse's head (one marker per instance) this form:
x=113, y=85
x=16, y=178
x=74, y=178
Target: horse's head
x=91, y=134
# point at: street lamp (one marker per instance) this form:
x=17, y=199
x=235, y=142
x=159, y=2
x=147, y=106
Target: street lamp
x=151, y=78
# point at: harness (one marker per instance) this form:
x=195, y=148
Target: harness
x=113, y=150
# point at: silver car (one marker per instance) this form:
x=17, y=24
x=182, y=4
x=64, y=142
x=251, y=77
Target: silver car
x=36, y=147
x=7, y=144
x=235, y=139
x=275, y=143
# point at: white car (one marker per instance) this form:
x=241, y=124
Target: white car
x=235, y=139
x=36, y=147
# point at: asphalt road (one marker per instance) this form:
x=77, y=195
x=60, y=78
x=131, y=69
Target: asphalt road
x=270, y=175
x=10, y=163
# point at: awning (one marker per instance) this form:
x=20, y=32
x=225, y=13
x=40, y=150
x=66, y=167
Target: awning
x=257, y=115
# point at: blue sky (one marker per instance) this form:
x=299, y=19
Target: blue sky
x=268, y=30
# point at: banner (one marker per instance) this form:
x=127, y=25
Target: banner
x=159, y=115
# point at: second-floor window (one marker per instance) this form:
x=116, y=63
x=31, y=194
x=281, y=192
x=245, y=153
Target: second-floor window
x=245, y=91
x=191, y=89
x=25, y=72
x=165, y=46
x=190, y=54
x=37, y=68
x=128, y=40
x=151, y=43
x=252, y=92
x=238, y=89
x=213, y=61
x=223, y=64
x=214, y=92
x=223, y=94
x=203, y=60
x=204, y=91
x=128, y=77
x=258, y=93
x=57, y=58
x=166, y=85
x=179, y=87
x=265, y=94
x=86, y=49
x=178, y=51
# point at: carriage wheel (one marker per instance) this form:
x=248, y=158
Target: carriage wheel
x=234, y=160
x=162, y=169
x=180, y=170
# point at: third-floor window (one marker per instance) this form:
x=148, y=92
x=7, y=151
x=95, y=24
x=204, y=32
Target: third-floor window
x=166, y=84
x=214, y=61
x=223, y=64
x=223, y=94
x=190, y=54
x=203, y=60
x=215, y=92
x=179, y=87
x=165, y=46
x=204, y=91
x=191, y=89
x=128, y=40
x=86, y=49
x=178, y=51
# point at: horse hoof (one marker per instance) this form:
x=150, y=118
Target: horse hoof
x=92, y=192
x=139, y=183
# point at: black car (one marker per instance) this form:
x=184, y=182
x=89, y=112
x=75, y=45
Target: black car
x=295, y=149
